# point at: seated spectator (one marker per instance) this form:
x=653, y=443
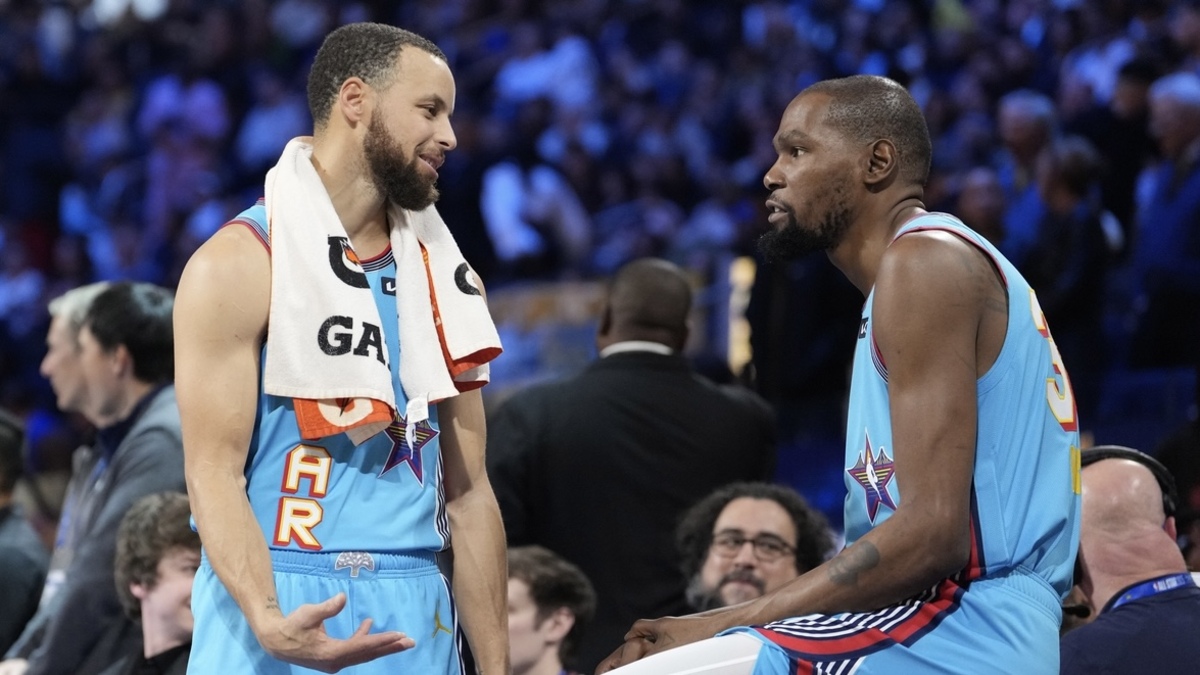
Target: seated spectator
x=116, y=367
x=550, y=603
x=23, y=559
x=787, y=538
x=1131, y=572
x=157, y=556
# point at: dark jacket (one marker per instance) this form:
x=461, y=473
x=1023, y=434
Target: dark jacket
x=600, y=467
x=23, y=563
x=148, y=459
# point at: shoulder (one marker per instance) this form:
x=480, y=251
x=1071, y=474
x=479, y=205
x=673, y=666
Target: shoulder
x=21, y=554
x=928, y=254
x=744, y=399
x=162, y=413
x=226, y=285
x=933, y=270
x=536, y=397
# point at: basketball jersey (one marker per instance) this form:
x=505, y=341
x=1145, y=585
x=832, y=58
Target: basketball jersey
x=329, y=495
x=1025, y=489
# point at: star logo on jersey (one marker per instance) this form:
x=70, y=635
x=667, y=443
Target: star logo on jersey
x=401, y=453
x=873, y=472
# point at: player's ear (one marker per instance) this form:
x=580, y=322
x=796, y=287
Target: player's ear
x=881, y=163
x=352, y=101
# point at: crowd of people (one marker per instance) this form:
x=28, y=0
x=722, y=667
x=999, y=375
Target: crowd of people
x=596, y=132
x=977, y=171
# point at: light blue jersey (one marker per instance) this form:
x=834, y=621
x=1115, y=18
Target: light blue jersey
x=1001, y=613
x=1025, y=492
x=367, y=521
x=329, y=495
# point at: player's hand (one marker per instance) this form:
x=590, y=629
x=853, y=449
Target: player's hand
x=300, y=638
x=649, y=637
x=14, y=667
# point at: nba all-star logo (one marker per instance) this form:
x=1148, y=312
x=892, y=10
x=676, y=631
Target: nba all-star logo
x=401, y=453
x=873, y=472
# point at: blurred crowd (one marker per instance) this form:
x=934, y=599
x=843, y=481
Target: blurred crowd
x=598, y=131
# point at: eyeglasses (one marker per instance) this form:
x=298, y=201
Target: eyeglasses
x=767, y=548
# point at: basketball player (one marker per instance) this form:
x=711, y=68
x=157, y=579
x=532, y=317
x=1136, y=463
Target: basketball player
x=322, y=555
x=962, y=459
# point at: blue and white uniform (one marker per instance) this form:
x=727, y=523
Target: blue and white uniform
x=367, y=520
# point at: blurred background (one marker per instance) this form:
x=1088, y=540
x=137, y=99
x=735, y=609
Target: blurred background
x=593, y=132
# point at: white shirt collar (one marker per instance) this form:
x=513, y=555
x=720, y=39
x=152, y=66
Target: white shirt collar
x=636, y=346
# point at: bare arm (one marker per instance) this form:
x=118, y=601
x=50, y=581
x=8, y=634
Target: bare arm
x=480, y=569
x=925, y=281
x=221, y=311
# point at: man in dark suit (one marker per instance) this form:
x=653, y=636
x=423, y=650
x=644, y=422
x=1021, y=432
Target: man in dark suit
x=599, y=467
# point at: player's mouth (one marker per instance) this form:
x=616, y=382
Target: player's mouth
x=776, y=212
x=433, y=161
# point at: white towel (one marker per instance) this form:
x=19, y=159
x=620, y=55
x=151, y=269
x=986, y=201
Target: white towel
x=326, y=348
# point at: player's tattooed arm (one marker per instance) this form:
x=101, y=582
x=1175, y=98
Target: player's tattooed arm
x=845, y=568
x=272, y=603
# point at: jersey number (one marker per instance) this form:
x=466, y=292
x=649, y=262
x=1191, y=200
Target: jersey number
x=1058, y=388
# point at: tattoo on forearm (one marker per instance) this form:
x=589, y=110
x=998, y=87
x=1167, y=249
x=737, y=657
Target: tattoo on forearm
x=845, y=568
x=272, y=603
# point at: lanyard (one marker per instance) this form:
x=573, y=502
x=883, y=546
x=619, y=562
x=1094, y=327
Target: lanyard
x=1150, y=588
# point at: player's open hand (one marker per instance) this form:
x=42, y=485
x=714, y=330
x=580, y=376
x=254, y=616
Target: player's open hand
x=649, y=637
x=300, y=638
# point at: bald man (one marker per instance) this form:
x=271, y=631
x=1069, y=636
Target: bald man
x=599, y=467
x=1145, y=603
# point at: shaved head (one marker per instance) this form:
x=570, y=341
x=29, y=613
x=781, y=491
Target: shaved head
x=1121, y=496
x=648, y=299
x=1125, y=535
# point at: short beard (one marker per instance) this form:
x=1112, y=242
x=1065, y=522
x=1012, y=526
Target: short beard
x=396, y=178
x=793, y=241
x=702, y=599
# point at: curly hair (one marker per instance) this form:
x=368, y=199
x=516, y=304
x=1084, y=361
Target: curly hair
x=554, y=583
x=365, y=50
x=693, y=537
x=151, y=528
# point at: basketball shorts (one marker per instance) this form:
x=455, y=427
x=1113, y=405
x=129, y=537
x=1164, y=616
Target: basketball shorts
x=401, y=592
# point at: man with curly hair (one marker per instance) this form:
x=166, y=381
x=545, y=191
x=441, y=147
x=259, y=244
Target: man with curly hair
x=787, y=538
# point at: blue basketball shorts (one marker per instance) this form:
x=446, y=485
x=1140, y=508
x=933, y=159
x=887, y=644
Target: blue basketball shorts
x=401, y=592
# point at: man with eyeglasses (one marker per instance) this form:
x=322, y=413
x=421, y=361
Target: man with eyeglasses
x=786, y=538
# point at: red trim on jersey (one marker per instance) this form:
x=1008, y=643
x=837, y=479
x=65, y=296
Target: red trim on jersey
x=866, y=640
x=878, y=355
x=975, y=560
x=249, y=226
x=367, y=261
